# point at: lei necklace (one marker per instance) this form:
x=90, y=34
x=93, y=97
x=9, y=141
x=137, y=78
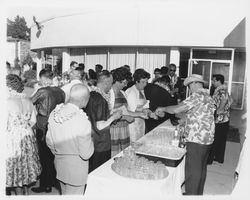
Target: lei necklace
x=13, y=93
x=58, y=117
x=106, y=96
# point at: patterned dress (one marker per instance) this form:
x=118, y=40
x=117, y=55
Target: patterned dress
x=22, y=161
x=119, y=129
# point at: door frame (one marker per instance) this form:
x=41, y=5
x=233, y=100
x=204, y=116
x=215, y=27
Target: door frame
x=211, y=61
x=231, y=66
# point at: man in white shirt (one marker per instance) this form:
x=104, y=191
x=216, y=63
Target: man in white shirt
x=69, y=139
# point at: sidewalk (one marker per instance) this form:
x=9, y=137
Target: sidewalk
x=220, y=176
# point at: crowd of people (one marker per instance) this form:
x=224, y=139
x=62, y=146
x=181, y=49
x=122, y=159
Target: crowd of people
x=69, y=126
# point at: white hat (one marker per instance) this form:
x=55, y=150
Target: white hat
x=194, y=78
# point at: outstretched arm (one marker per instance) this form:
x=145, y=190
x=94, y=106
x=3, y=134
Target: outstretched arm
x=172, y=109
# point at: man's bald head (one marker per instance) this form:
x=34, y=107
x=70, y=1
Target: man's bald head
x=79, y=95
x=75, y=75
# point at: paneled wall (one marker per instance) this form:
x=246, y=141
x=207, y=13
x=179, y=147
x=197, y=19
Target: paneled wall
x=110, y=58
x=122, y=56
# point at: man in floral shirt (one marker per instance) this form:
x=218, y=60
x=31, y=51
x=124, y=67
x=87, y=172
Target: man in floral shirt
x=199, y=127
x=222, y=116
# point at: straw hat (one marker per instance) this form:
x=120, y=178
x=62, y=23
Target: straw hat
x=194, y=78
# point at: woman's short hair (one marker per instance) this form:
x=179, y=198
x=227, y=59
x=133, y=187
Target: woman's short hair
x=140, y=74
x=14, y=82
x=121, y=73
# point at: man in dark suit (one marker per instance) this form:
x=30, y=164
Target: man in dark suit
x=158, y=96
x=45, y=100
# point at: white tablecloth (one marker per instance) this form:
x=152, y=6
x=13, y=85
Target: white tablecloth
x=104, y=183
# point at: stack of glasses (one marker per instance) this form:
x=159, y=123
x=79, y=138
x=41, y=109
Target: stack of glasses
x=136, y=167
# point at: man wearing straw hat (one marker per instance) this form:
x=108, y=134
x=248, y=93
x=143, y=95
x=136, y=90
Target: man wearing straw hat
x=199, y=129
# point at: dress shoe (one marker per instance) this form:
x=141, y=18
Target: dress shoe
x=40, y=189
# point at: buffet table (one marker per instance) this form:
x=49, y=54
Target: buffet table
x=104, y=183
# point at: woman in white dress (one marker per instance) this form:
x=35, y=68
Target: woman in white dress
x=137, y=102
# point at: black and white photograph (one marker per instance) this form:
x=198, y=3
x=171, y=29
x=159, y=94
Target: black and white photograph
x=125, y=99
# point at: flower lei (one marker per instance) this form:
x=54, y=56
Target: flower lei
x=106, y=96
x=163, y=86
x=62, y=118
x=13, y=93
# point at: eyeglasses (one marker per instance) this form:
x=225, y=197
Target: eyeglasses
x=172, y=70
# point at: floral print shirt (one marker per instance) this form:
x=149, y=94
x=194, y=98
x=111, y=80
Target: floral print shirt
x=220, y=94
x=200, y=125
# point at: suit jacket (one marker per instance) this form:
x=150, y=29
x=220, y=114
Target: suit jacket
x=69, y=139
x=158, y=97
x=98, y=110
x=45, y=100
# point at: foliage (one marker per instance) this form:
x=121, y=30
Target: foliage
x=27, y=60
x=30, y=75
x=18, y=28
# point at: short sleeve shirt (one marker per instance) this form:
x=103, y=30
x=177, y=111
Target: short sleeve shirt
x=200, y=125
x=220, y=94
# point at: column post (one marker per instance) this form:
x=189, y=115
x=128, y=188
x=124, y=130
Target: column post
x=175, y=58
x=38, y=64
x=65, y=59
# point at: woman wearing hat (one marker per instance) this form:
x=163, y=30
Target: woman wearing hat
x=199, y=128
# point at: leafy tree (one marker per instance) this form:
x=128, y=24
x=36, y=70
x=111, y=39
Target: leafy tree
x=27, y=60
x=18, y=28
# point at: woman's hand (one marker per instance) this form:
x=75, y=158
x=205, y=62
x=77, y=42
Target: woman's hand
x=146, y=111
x=153, y=115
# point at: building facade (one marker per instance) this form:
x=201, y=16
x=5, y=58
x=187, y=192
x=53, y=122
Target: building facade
x=147, y=36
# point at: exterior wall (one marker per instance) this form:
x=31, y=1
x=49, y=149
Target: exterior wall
x=239, y=79
x=164, y=23
x=237, y=38
x=10, y=52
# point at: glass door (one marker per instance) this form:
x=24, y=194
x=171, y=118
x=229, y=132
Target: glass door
x=202, y=67
x=207, y=68
x=209, y=61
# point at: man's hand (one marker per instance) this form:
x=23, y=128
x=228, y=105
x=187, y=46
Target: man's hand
x=160, y=114
x=117, y=115
x=146, y=111
x=159, y=111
